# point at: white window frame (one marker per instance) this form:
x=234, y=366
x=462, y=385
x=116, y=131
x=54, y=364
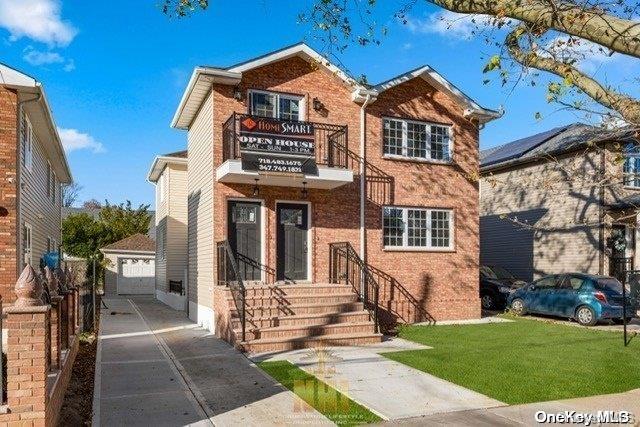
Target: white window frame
x=27, y=249
x=27, y=140
x=405, y=149
x=161, y=186
x=631, y=167
x=278, y=95
x=405, y=234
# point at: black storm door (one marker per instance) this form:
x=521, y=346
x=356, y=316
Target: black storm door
x=244, y=237
x=293, y=224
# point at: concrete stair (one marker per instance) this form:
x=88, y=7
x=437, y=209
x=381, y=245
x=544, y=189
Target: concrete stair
x=292, y=316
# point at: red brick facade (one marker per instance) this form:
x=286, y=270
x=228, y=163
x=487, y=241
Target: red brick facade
x=8, y=193
x=440, y=285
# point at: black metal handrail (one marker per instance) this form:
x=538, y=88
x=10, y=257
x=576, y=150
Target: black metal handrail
x=331, y=141
x=618, y=267
x=229, y=275
x=346, y=265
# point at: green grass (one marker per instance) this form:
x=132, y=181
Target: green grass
x=325, y=399
x=526, y=360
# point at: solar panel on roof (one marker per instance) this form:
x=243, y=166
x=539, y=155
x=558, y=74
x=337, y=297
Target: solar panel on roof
x=519, y=147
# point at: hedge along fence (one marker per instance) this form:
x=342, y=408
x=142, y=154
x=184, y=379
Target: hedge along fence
x=42, y=343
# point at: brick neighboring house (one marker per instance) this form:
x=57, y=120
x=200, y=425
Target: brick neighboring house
x=411, y=217
x=571, y=189
x=33, y=167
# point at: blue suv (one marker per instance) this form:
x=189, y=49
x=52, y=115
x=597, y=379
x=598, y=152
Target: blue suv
x=583, y=297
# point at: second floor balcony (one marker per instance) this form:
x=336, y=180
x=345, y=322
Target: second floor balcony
x=284, y=153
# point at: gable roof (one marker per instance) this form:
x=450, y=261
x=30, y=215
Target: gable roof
x=204, y=76
x=160, y=162
x=180, y=154
x=554, y=141
x=35, y=104
x=136, y=243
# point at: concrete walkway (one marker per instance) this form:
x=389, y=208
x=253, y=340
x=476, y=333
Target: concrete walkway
x=390, y=389
x=525, y=415
x=155, y=367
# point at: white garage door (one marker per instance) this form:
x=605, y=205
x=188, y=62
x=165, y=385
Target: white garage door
x=136, y=276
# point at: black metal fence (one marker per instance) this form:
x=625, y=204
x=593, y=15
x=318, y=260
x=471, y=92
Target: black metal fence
x=331, y=141
x=86, y=310
x=229, y=275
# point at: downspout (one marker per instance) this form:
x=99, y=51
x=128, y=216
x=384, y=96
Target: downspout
x=363, y=182
x=19, y=248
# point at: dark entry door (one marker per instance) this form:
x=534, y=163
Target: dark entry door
x=293, y=224
x=244, y=237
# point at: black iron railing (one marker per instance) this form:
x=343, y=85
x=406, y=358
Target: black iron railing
x=619, y=266
x=331, y=141
x=346, y=266
x=230, y=276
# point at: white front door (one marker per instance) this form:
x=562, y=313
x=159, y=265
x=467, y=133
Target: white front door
x=136, y=276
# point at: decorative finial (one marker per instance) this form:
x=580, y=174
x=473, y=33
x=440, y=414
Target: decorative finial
x=28, y=289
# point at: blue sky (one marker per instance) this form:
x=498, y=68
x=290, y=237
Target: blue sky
x=114, y=72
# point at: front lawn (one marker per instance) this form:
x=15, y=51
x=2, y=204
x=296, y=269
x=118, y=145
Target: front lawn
x=526, y=360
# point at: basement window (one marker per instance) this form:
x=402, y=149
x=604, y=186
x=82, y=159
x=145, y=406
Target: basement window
x=415, y=140
x=417, y=228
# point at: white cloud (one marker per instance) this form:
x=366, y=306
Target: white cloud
x=450, y=24
x=39, y=20
x=73, y=139
x=36, y=57
x=70, y=65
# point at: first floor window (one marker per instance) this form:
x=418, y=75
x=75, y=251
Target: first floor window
x=416, y=140
x=631, y=167
x=417, y=228
x=27, y=232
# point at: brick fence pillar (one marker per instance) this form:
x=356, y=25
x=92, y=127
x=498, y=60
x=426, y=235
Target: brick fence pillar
x=28, y=341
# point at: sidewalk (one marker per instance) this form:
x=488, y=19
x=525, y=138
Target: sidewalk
x=386, y=387
x=155, y=367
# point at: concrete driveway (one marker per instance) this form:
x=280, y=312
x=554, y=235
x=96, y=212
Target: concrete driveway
x=155, y=367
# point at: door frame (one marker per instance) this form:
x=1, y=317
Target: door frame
x=309, y=235
x=263, y=231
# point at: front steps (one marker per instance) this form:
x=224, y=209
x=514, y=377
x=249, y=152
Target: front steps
x=292, y=316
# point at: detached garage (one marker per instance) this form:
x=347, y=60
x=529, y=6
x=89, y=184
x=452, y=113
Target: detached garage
x=130, y=268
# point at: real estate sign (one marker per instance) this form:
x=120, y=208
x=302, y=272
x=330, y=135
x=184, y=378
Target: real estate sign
x=279, y=146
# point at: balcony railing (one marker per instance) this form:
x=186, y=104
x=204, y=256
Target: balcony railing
x=331, y=141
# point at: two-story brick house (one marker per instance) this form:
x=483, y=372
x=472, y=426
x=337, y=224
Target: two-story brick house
x=33, y=167
x=317, y=191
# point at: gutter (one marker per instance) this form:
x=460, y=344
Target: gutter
x=363, y=169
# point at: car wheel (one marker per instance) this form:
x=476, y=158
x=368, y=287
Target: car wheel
x=517, y=307
x=586, y=316
x=487, y=302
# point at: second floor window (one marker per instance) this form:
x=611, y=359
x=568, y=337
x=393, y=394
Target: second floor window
x=276, y=105
x=26, y=139
x=631, y=167
x=416, y=140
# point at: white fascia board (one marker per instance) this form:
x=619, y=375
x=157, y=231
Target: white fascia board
x=159, y=164
x=202, y=77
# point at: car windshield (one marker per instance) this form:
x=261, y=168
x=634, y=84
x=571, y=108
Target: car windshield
x=501, y=273
x=609, y=284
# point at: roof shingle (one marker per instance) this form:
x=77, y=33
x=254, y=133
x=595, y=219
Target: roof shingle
x=138, y=242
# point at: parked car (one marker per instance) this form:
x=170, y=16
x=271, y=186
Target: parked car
x=496, y=283
x=586, y=298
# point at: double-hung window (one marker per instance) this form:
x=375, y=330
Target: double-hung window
x=276, y=105
x=26, y=142
x=417, y=228
x=631, y=167
x=416, y=140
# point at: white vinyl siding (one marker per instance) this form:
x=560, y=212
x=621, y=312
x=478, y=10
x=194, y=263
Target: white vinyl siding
x=417, y=228
x=200, y=171
x=416, y=140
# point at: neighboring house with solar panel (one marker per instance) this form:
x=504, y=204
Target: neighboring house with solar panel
x=561, y=200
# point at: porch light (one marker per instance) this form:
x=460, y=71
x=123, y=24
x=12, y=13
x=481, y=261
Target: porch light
x=237, y=94
x=317, y=104
x=305, y=192
x=256, y=189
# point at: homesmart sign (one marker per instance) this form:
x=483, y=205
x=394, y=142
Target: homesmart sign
x=279, y=146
